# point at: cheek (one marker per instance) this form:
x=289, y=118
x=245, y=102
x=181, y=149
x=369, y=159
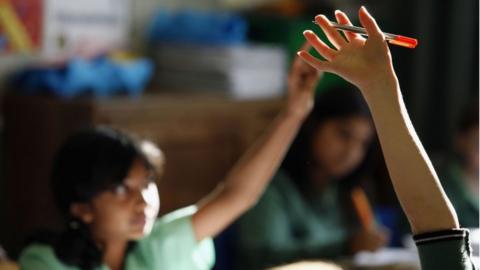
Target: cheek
x=340, y=158
x=111, y=218
x=327, y=150
x=356, y=155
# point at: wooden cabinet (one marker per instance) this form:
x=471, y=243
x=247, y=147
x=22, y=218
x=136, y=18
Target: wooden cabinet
x=201, y=136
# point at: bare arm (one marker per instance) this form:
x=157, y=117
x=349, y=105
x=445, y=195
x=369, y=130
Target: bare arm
x=367, y=64
x=247, y=180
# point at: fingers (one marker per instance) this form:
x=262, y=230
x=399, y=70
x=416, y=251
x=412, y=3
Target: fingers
x=312, y=61
x=342, y=18
x=370, y=24
x=332, y=34
x=298, y=62
x=320, y=46
x=303, y=71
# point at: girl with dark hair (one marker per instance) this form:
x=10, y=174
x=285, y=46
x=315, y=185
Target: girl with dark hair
x=103, y=181
x=305, y=212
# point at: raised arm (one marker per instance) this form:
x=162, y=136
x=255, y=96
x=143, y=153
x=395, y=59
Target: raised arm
x=247, y=180
x=367, y=64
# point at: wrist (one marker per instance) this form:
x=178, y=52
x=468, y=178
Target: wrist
x=385, y=90
x=297, y=114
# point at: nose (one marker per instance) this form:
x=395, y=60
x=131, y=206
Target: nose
x=352, y=151
x=140, y=199
x=148, y=197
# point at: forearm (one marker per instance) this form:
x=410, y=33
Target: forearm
x=414, y=179
x=249, y=177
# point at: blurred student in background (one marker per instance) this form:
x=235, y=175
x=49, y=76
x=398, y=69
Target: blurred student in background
x=459, y=173
x=104, y=183
x=306, y=212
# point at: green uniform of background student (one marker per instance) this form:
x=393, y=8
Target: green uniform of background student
x=459, y=172
x=103, y=182
x=306, y=212
x=367, y=64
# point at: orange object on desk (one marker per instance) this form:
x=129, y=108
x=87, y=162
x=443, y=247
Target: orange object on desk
x=363, y=208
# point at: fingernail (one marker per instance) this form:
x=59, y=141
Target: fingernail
x=337, y=11
x=307, y=32
x=325, y=18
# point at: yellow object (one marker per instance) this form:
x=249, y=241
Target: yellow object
x=122, y=56
x=6, y=265
x=14, y=29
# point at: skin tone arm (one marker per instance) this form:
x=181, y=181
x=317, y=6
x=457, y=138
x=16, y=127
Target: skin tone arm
x=367, y=63
x=247, y=180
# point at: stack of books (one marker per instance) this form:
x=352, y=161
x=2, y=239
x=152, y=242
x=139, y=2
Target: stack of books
x=240, y=71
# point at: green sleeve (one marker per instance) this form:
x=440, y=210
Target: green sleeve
x=445, y=250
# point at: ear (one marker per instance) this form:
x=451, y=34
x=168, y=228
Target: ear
x=82, y=211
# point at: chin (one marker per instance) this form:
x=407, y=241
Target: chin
x=138, y=235
x=341, y=172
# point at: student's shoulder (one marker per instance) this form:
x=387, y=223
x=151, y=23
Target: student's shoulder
x=38, y=250
x=176, y=222
x=177, y=216
x=40, y=256
x=282, y=181
x=173, y=239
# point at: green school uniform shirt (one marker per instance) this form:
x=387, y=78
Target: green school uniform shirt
x=170, y=246
x=463, y=199
x=285, y=226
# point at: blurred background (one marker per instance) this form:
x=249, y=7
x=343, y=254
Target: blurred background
x=201, y=78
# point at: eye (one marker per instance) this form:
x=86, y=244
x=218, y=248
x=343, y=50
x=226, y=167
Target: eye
x=150, y=179
x=120, y=190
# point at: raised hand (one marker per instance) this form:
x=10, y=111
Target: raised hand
x=365, y=63
x=302, y=81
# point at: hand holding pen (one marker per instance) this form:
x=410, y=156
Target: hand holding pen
x=394, y=39
x=364, y=62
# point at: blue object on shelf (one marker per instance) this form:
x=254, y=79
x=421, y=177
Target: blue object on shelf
x=198, y=27
x=3, y=42
x=101, y=77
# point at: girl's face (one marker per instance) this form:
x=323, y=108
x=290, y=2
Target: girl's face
x=340, y=145
x=128, y=211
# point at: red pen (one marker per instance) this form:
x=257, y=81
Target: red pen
x=391, y=38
